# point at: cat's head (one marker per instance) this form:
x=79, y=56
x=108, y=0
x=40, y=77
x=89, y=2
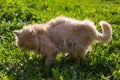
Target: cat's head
x=26, y=38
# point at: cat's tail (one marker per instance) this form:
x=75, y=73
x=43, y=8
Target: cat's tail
x=106, y=32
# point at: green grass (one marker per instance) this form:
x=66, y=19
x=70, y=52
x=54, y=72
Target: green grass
x=102, y=63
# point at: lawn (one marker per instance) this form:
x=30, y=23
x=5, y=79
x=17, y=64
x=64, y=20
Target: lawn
x=102, y=63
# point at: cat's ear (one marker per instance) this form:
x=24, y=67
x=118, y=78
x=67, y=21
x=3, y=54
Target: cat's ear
x=33, y=33
x=16, y=33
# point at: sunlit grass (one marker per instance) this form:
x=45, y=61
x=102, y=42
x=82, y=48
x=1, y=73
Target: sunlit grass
x=103, y=62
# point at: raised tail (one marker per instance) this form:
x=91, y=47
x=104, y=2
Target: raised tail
x=106, y=32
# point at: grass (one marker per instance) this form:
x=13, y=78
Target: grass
x=102, y=63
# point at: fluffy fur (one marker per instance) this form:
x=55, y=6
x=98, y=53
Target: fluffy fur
x=61, y=34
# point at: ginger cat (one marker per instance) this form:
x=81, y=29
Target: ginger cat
x=61, y=34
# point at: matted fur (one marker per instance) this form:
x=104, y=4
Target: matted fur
x=61, y=34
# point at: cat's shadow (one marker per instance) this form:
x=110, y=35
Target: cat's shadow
x=35, y=66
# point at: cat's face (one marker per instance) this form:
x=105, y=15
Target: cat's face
x=25, y=39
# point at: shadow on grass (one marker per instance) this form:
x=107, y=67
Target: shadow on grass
x=34, y=69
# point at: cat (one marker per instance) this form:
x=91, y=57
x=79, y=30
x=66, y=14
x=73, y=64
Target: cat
x=62, y=34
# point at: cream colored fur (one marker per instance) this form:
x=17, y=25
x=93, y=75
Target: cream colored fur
x=62, y=34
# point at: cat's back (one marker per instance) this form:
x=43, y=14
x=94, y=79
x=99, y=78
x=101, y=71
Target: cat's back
x=64, y=24
x=64, y=27
x=62, y=20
